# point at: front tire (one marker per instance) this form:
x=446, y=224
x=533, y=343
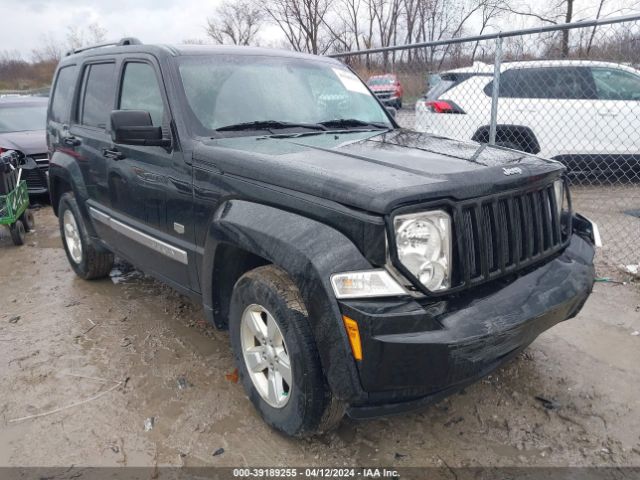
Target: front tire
x=276, y=354
x=87, y=260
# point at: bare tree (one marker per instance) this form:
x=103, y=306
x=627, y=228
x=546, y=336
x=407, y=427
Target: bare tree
x=78, y=37
x=560, y=12
x=350, y=14
x=386, y=15
x=194, y=41
x=490, y=10
x=593, y=30
x=303, y=23
x=49, y=51
x=236, y=22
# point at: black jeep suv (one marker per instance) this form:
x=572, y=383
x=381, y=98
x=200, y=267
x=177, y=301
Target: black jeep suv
x=359, y=267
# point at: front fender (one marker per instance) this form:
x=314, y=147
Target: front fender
x=310, y=252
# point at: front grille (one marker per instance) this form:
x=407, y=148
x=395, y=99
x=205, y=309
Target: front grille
x=384, y=95
x=505, y=233
x=42, y=159
x=35, y=178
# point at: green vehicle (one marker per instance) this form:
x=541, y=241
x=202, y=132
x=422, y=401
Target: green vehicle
x=14, y=198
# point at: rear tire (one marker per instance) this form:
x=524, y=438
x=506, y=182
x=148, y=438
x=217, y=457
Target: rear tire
x=18, y=233
x=27, y=220
x=87, y=259
x=306, y=406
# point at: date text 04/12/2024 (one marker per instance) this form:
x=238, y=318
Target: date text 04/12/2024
x=315, y=473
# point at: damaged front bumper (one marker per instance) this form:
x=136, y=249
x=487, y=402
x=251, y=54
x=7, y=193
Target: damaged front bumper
x=416, y=353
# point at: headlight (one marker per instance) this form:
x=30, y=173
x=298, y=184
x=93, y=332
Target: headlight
x=365, y=283
x=423, y=242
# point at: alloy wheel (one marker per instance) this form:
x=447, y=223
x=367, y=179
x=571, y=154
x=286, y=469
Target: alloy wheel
x=266, y=355
x=72, y=237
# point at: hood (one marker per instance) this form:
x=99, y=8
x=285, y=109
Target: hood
x=30, y=143
x=377, y=172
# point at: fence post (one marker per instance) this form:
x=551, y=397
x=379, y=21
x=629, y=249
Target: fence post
x=495, y=92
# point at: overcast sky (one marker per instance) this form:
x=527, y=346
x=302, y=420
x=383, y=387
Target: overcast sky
x=25, y=23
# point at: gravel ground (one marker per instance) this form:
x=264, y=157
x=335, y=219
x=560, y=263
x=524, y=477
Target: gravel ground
x=86, y=365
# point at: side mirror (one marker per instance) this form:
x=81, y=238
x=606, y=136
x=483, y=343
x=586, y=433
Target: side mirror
x=392, y=111
x=134, y=127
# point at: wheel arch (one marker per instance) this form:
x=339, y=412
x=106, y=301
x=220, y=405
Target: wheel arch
x=65, y=176
x=309, y=251
x=519, y=134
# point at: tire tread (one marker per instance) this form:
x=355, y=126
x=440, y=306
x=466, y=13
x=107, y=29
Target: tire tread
x=327, y=413
x=97, y=264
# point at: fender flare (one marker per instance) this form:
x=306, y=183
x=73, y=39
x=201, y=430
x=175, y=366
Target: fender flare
x=482, y=135
x=310, y=252
x=66, y=168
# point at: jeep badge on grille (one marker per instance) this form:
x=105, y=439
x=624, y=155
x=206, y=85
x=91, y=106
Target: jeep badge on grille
x=511, y=171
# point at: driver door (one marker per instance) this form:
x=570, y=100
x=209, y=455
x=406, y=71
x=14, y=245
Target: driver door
x=150, y=187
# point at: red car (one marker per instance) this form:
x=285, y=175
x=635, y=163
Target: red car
x=387, y=88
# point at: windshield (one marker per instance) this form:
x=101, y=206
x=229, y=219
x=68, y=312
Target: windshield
x=379, y=81
x=22, y=118
x=225, y=90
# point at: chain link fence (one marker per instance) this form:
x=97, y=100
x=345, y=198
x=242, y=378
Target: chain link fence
x=568, y=92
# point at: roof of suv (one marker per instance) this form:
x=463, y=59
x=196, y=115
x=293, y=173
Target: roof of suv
x=187, y=50
x=484, y=68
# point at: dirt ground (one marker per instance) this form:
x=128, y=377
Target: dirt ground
x=86, y=365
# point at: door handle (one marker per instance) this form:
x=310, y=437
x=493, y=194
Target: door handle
x=71, y=141
x=608, y=113
x=114, y=154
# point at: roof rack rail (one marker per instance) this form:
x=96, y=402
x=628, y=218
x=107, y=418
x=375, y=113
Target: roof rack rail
x=120, y=43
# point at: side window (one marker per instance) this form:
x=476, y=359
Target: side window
x=140, y=91
x=63, y=94
x=97, y=98
x=545, y=82
x=513, y=84
x=614, y=84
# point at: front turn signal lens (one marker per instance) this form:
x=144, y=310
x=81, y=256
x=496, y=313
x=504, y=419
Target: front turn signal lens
x=365, y=284
x=354, y=336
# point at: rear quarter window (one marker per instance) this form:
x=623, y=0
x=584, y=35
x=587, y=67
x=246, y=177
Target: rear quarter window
x=62, y=96
x=560, y=83
x=440, y=84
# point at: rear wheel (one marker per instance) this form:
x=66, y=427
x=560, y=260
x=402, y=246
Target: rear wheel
x=87, y=259
x=28, y=220
x=276, y=354
x=18, y=233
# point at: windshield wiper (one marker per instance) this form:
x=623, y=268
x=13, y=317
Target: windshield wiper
x=269, y=125
x=353, y=122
